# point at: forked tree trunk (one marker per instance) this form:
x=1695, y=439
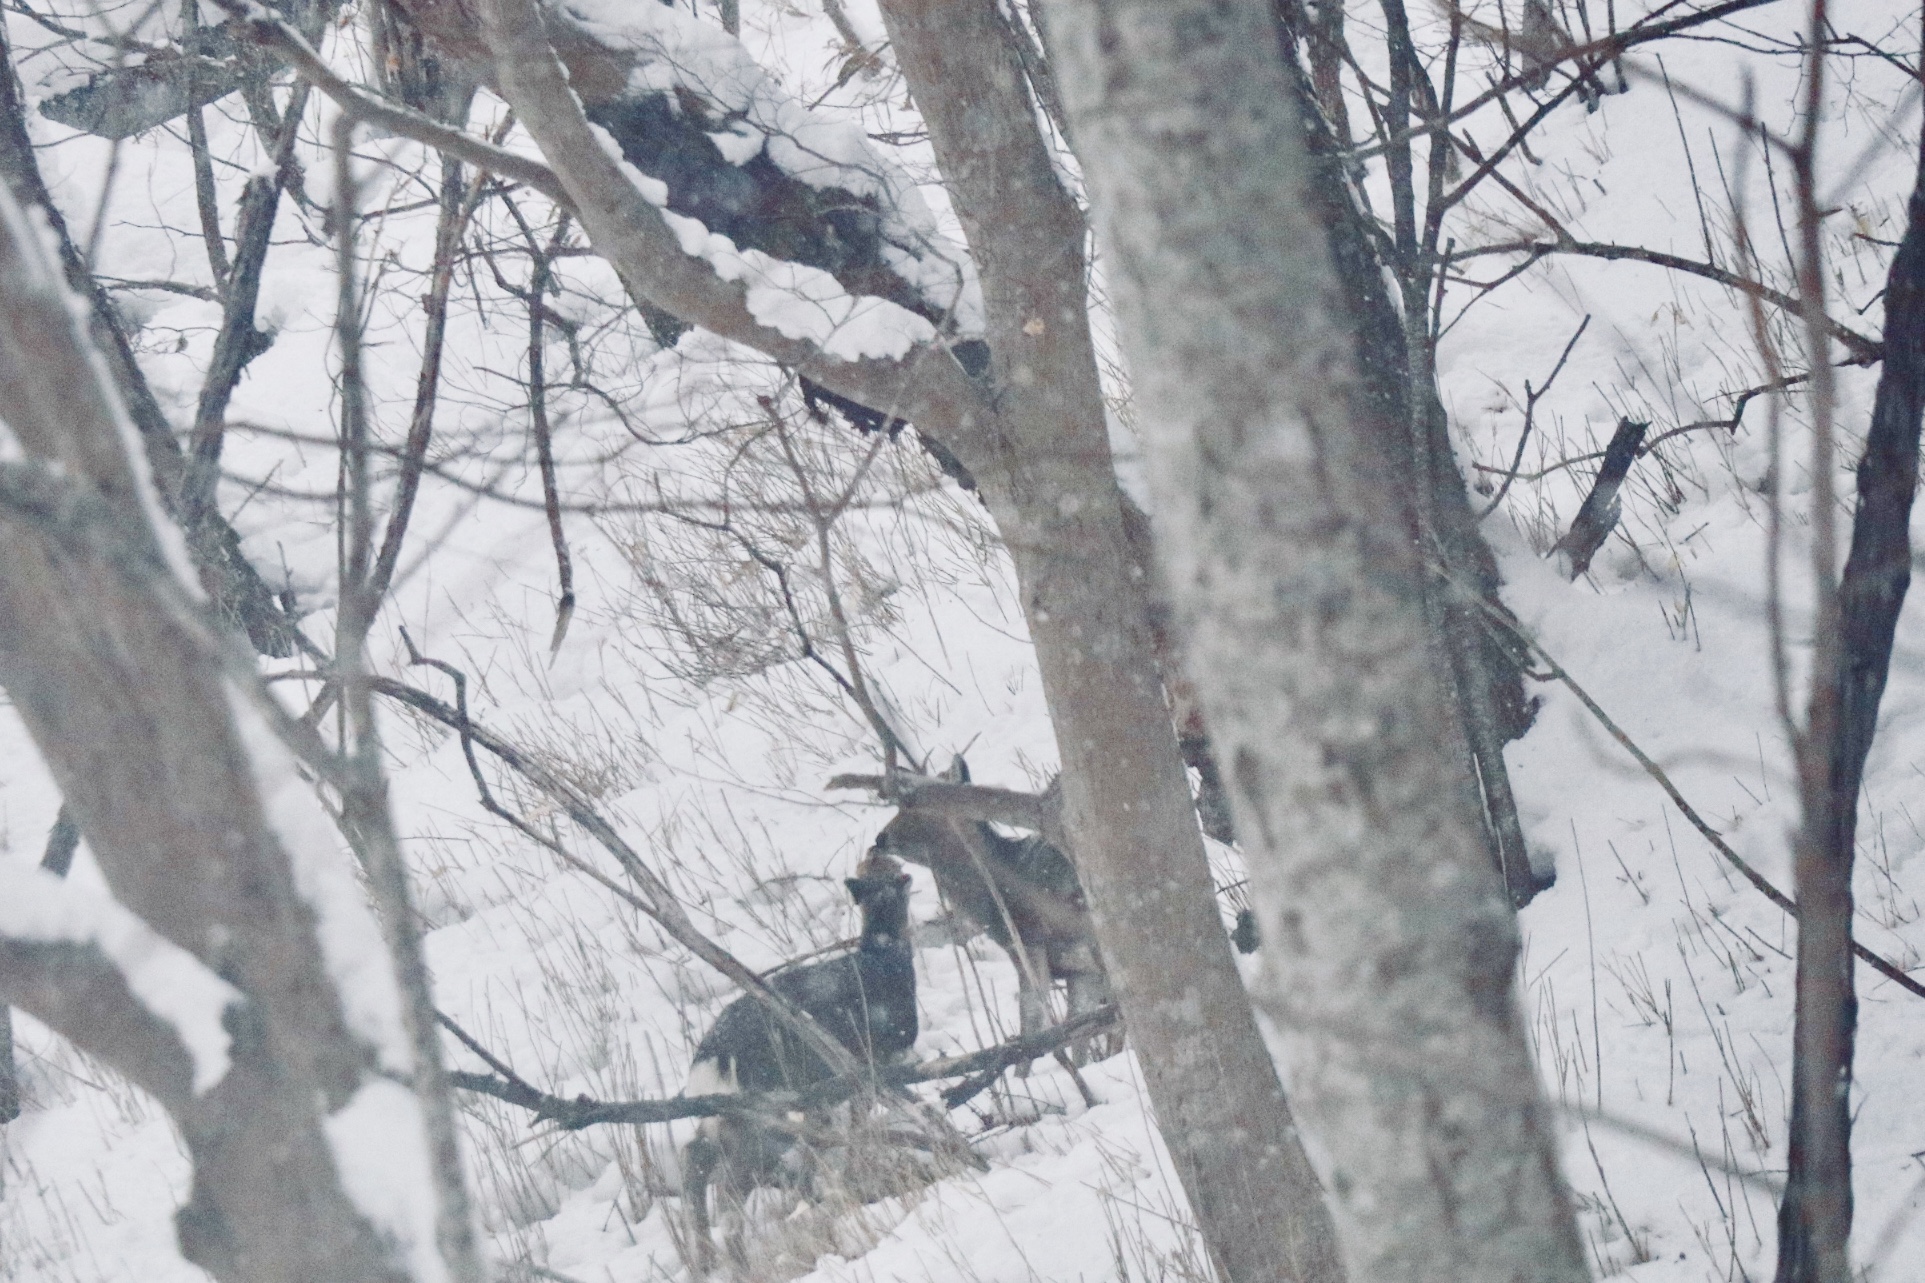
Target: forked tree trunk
x=1290, y=541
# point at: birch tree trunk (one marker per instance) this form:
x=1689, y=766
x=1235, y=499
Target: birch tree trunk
x=1290, y=546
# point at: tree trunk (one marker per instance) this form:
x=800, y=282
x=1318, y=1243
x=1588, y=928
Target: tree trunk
x=123, y=689
x=1290, y=537
x=1051, y=485
x=1814, y=1221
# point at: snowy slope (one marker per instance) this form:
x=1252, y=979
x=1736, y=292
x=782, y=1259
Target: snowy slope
x=1657, y=984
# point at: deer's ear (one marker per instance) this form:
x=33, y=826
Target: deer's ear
x=855, y=887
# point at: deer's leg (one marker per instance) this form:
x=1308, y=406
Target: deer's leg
x=1089, y=989
x=699, y=1161
x=1032, y=1002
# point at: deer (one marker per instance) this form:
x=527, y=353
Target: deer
x=865, y=1000
x=1023, y=892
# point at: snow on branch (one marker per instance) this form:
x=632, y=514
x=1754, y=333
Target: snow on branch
x=623, y=218
x=690, y=108
x=39, y=911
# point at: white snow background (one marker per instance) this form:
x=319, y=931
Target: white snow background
x=1656, y=983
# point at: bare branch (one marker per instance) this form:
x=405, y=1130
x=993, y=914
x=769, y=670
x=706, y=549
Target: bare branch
x=572, y=1115
x=1864, y=349
x=264, y=26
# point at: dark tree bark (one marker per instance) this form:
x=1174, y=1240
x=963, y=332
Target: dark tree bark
x=1395, y=375
x=1814, y=1221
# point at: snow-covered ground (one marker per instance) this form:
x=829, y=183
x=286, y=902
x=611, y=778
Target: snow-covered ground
x=1656, y=982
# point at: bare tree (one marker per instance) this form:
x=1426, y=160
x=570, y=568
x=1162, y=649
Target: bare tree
x=1290, y=543
x=214, y=978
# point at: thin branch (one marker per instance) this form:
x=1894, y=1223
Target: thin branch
x=582, y=1111
x=263, y=26
x=824, y=519
x=1501, y=620
x=458, y=202
x=1590, y=56
x=540, y=280
x=1531, y=397
x=239, y=340
x=205, y=197
x=1864, y=349
x=1731, y=424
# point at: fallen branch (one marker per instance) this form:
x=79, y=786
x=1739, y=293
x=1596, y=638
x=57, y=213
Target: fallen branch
x=1599, y=516
x=582, y=1111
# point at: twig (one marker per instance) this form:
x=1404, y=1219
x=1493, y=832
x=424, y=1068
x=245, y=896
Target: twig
x=823, y=518
x=263, y=26
x=540, y=278
x=1531, y=397
x=1731, y=424
x=204, y=194
x=239, y=340
x=458, y=202
x=1594, y=53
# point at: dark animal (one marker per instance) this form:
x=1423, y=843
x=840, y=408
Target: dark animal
x=1022, y=891
x=866, y=1000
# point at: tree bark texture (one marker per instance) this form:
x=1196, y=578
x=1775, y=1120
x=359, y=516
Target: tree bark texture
x=1290, y=539
x=1395, y=379
x=127, y=703
x=1814, y=1220
x=1046, y=471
